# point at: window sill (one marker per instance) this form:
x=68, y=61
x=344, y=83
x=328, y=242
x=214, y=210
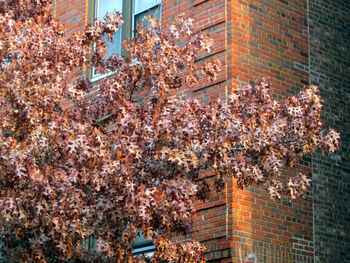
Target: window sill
x=102, y=76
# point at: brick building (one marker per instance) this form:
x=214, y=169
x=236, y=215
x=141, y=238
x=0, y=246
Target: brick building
x=295, y=43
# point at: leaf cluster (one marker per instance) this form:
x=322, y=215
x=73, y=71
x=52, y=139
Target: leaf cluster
x=130, y=158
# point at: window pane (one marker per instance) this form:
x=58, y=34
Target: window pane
x=155, y=11
x=142, y=5
x=141, y=240
x=107, y=6
x=115, y=46
x=103, y=7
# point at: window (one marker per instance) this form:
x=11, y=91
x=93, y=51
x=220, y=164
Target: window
x=89, y=244
x=142, y=246
x=133, y=12
x=101, y=8
x=142, y=8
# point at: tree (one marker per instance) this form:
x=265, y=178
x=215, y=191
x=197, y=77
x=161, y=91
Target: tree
x=128, y=159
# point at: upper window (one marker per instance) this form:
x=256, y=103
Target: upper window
x=144, y=8
x=143, y=5
x=101, y=8
x=133, y=11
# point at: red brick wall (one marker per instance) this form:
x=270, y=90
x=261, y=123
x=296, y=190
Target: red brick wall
x=72, y=13
x=269, y=38
x=253, y=39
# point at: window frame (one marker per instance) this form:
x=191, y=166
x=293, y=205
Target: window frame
x=127, y=29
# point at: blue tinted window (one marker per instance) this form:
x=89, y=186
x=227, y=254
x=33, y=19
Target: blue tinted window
x=106, y=6
x=142, y=5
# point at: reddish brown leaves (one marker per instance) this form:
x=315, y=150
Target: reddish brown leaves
x=129, y=159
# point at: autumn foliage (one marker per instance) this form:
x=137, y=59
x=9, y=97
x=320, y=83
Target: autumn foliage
x=127, y=159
